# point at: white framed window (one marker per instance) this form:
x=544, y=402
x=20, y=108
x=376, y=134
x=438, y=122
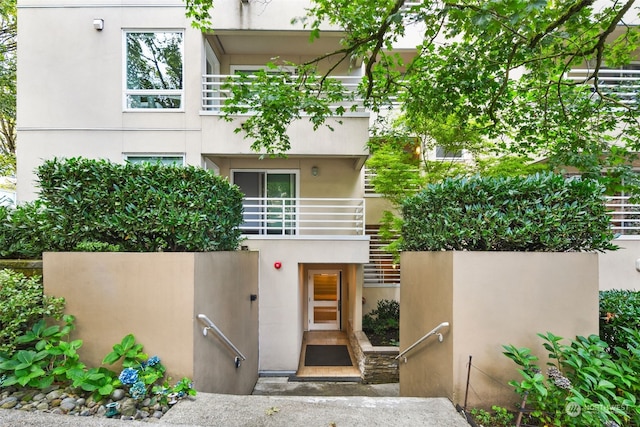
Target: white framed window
x=164, y=159
x=153, y=70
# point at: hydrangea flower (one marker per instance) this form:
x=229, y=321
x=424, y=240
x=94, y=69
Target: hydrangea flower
x=153, y=360
x=128, y=376
x=138, y=390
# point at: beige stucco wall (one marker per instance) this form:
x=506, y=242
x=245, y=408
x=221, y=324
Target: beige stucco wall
x=618, y=268
x=156, y=297
x=490, y=299
x=373, y=294
x=225, y=282
x=75, y=108
x=282, y=291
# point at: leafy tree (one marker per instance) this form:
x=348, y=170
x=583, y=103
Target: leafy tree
x=495, y=69
x=8, y=33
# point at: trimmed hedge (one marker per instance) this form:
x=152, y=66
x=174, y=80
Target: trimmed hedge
x=542, y=212
x=139, y=207
x=24, y=231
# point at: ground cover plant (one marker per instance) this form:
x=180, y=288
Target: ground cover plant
x=542, y=212
x=37, y=353
x=381, y=325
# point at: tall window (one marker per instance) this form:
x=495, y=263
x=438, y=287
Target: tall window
x=154, y=62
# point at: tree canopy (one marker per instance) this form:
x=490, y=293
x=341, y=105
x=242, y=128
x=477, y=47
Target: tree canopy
x=499, y=70
x=8, y=33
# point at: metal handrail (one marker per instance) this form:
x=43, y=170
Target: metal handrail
x=434, y=331
x=210, y=325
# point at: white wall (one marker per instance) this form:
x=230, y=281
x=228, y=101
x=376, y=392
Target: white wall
x=618, y=268
x=282, y=316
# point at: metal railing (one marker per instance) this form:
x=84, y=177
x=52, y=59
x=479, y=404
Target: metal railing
x=623, y=84
x=239, y=357
x=302, y=216
x=216, y=91
x=625, y=216
x=434, y=331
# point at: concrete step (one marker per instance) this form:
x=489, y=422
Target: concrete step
x=315, y=404
x=327, y=411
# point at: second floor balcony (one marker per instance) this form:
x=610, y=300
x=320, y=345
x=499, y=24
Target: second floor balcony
x=217, y=90
x=265, y=217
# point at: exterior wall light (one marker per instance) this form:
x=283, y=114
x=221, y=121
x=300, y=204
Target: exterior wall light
x=98, y=24
x=315, y=171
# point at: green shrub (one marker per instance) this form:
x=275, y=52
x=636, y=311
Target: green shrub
x=24, y=231
x=619, y=310
x=22, y=304
x=138, y=208
x=587, y=384
x=542, y=212
x=383, y=321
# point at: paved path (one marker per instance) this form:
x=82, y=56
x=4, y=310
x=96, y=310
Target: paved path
x=276, y=410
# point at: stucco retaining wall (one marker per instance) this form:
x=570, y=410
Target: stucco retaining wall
x=157, y=297
x=489, y=299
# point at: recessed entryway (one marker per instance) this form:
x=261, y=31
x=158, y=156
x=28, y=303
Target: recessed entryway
x=330, y=339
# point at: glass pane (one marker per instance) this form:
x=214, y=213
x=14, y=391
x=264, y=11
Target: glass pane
x=154, y=63
x=154, y=101
x=164, y=160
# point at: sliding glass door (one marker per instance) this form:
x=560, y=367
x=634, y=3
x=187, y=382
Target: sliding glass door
x=269, y=203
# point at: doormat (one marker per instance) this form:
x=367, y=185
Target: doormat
x=327, y=355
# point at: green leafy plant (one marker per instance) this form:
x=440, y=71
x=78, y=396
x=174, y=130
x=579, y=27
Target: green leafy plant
x=583, y=385
x=382, y=324
x=87, y=246
x=48, y=358
x=542, y=212
x=24, y=231
x=22, y=304
x=129, y=351
x=143, y=375
x=619, y=312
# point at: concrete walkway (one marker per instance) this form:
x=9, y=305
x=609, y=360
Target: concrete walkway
x=278, y=409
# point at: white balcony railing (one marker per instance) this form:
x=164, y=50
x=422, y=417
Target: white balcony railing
x=624, y=85
x=216, y=90
x=625, y=216
x=302, y=216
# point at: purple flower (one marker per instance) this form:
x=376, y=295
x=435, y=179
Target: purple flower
x=128, y=376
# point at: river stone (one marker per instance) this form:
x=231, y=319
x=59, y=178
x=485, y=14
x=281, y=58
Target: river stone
x=42, y=406
x=55, y=403
x=128, y=407
x=53, y=395
x=38, y=397
x=8, y=402
x=81, y=401
x=118, y=394
x=68, y=404
x=157, y=414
